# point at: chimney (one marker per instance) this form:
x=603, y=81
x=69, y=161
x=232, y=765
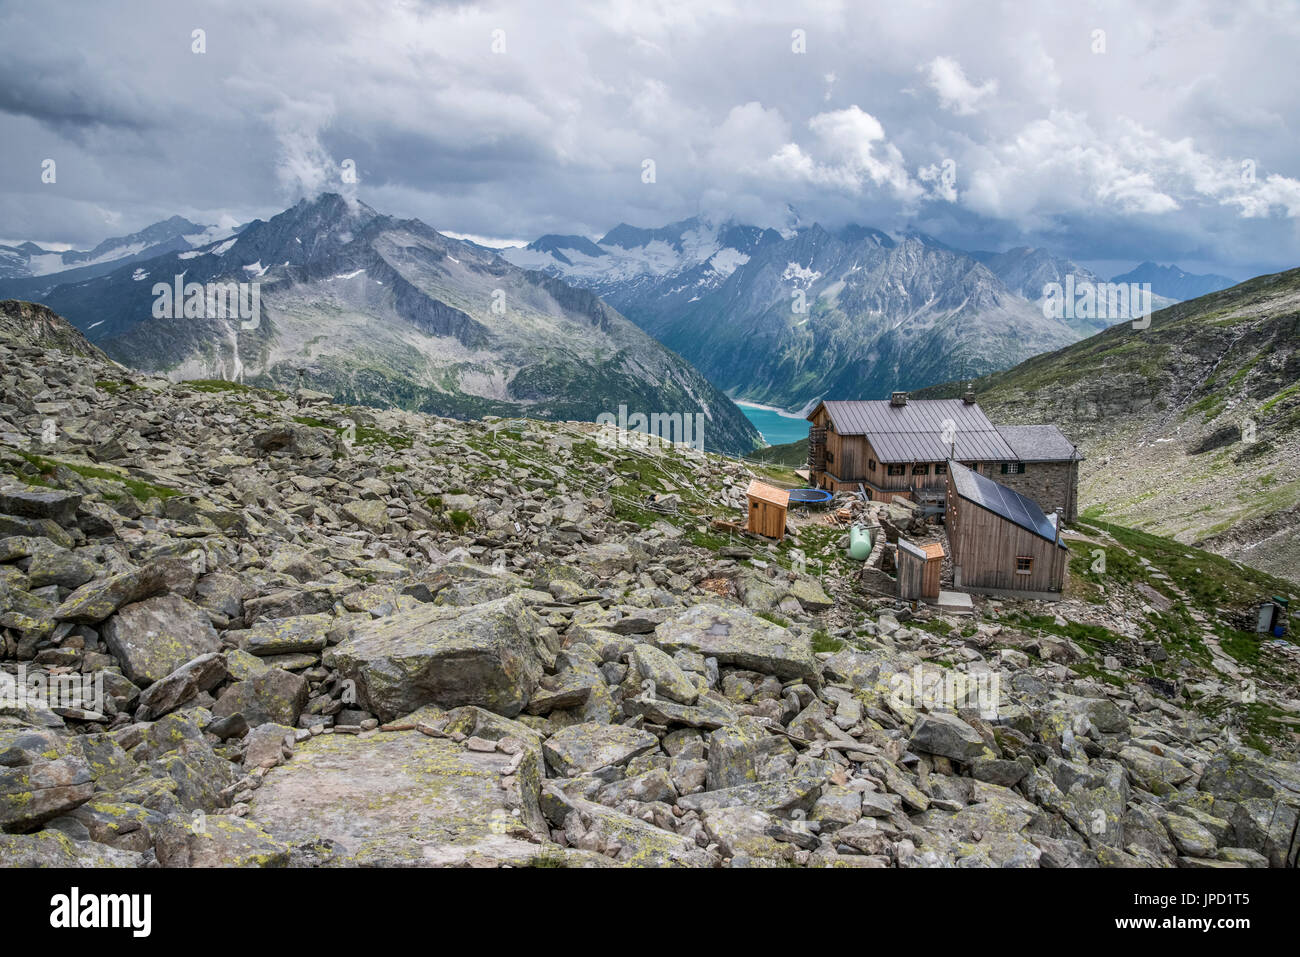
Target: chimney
x=969, y=396
x=898, y=398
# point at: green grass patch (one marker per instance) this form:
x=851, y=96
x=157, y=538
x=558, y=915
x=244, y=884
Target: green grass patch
x=142, y=491
x=1282, y=396
x=1086, y=635
x=1212, y=582
x=364, y=434
x=220, y=385
x=115, y=386
x=822, y=641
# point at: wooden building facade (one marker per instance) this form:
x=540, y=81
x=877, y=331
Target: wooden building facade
x=900, y=447
x=1001, y=542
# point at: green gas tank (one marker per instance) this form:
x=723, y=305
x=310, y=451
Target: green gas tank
x=859, y=543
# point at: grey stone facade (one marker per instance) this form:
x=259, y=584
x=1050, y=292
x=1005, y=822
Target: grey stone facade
x=1053, y=485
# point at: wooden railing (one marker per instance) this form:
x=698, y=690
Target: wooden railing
x=817, y=449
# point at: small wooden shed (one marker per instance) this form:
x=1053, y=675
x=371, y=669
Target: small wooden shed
x=918, y=570
x=1001, y=542
x=767, y=508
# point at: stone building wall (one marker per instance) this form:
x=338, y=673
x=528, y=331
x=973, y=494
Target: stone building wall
x=1051, y=484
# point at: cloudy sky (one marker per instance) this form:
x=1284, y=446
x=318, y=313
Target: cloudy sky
x=1111, y=132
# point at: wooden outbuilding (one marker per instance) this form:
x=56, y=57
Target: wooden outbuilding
x=1001, y=541
x=767, y=509
x=919, y=567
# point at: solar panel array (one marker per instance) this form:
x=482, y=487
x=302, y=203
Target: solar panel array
x=923, y=430
x=1001, y=500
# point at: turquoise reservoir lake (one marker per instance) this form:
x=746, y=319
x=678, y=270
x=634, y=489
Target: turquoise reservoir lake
x=777, y=427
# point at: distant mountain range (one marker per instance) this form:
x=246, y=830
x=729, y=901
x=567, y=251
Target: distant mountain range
x=1172, y=283
x=779, y=317
x=387, y=312
x=785, y=317
x=28, y=271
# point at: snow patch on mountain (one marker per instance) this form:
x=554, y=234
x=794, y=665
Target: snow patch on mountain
x=801, y=274
x=726, y=261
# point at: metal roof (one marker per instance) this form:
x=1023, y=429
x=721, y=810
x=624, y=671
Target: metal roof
x=1039, y=443
x=1001, y=501
x=913, y=550
x=923, y=430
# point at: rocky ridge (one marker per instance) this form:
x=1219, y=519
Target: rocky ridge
x=338, y=636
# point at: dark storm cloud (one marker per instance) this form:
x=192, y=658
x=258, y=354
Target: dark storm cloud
x=1116, y=131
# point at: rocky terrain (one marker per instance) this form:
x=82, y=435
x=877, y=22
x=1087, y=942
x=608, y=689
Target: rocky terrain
x=1191, y=426
x=274, y=631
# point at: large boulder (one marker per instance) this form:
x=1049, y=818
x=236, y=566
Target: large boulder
x=217, y=841
x=96, y=600
x=370, y=514
x=167, y=694
x=301, y=441
x=1266, y=826
x=485, y=655
x=627, y=840
x=783, y=795
x=61, y=566
x=32, y=794
x=401, y=799
x=585, y=747
x=735, y=637
x=947, y=735
x=283, y=636
x=51, y=848
x=154, y=637
x=273, y=695
x=1239, y=772
x=734, y=754
x=1156, y=773
x=34, y=502
x=746, y=832
x=608, y=559
x=657, y=667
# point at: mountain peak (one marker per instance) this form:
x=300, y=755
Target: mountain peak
x=1172, y=282
x=334, y=205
